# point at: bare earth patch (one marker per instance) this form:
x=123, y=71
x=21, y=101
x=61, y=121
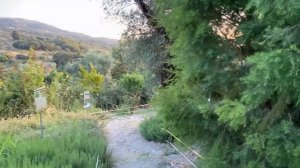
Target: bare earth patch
x=130, y=150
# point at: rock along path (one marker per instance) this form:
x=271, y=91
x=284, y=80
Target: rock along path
x=130, y=150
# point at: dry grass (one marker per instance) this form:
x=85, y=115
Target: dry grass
x=51, y=115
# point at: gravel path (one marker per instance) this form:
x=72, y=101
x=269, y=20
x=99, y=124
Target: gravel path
x=130, y=150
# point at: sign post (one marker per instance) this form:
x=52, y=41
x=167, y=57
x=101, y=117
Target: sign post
x=86, y=99
x=40, y=105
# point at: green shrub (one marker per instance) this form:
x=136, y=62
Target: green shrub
x=278, y=146
x=68, y=92
x=3, y=58
x=64, y=91
x=22, y=57
x=69, y=44
x=111, y=97
x=92, y=80
x=132, y=83
x=101, y=62
x=63, y=58
x=17, y=90
x=151, y=130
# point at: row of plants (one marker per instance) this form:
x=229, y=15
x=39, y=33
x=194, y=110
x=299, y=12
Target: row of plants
x=67, y=143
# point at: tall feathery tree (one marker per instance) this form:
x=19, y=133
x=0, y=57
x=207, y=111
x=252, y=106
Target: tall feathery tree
x=236, y=87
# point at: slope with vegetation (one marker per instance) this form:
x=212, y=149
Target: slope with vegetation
x=43, y=32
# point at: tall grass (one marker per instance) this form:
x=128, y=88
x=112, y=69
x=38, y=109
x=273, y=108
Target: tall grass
x=151, y=130
x=67, y=144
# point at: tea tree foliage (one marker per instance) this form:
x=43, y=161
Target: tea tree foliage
x=236, y=87
x=92, y=81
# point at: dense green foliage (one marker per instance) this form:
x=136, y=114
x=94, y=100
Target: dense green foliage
x=67, y=144
x=119, y=67
x=151, y=130
x=64, y=91
x=46, y=44
x=15, y=35
x=146, y=53
x=91, y=81
x=235, y=89
x=129, y=90
x=69, y=45
x=132, y=83
x=112, y=97
x=17, y=88
x=142, y=55
x=3, y=58
x=63, y=58
x=102, y=63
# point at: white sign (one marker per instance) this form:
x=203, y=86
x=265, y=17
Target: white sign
x=86, y=95
x=40, y=99
x=86, y=99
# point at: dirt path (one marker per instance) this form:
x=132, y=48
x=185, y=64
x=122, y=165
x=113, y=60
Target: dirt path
x=131, y=150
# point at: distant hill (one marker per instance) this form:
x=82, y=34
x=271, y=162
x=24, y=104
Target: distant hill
x=37, y=29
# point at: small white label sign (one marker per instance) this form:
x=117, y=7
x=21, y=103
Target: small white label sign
x=86, y=95
x=86, y=99
x=40, y=99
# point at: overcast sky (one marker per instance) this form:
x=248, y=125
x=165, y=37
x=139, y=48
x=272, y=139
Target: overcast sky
x=83, y=16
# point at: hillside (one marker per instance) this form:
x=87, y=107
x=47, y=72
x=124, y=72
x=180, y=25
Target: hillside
x=37, y=29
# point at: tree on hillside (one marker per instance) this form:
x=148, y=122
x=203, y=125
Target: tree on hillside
x=16, y=35
x=101, y=62
x=63, y=58
x=32, y=54
x=69, y=44
x=142, y=25
x=119, y=68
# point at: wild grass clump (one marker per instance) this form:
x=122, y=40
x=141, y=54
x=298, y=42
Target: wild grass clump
x=68, y=144
x=151, y=130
